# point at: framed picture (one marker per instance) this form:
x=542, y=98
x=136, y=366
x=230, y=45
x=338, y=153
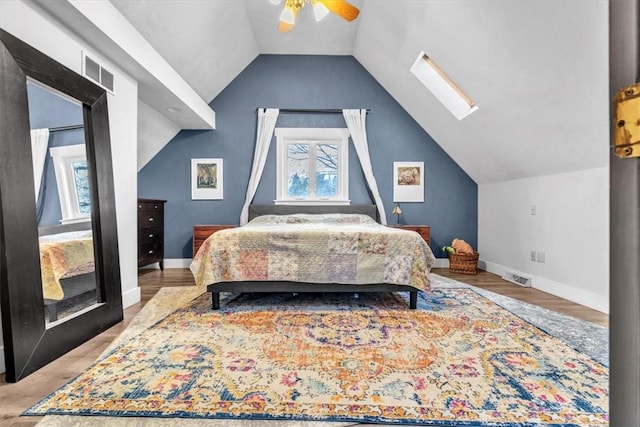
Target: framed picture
x=206, y=179
x=408, y=181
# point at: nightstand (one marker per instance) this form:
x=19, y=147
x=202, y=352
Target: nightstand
x=202, y=233
x=422, y=230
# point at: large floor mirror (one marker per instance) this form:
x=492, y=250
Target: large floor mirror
x=59, y=267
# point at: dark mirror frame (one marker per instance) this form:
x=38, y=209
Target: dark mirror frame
x=29, y=345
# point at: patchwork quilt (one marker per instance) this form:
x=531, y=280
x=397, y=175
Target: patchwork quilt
x=64, y=255
x=328, y=248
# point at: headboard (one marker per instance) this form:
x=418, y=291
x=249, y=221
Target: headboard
x=258, y=210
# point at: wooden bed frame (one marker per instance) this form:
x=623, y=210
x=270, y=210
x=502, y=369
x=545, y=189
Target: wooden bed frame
x=301, y=287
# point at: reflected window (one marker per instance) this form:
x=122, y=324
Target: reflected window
x=81, y=181
x=72, y=177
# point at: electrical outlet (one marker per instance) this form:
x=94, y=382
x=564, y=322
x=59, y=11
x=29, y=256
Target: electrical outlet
x=533, y=210
x=541, y=257
x=533, y=255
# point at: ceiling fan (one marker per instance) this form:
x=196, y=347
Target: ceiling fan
x=321, y=8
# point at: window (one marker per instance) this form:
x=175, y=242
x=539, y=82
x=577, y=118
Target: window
x=442, y=87
x=312, y=166
x=72, y=176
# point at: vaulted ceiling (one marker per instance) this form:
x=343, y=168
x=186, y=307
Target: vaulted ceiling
x=537, y=69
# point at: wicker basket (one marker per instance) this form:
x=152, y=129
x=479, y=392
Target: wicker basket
x=464, y=263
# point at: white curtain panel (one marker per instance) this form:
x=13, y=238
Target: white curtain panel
x=39, y=144
x=266, y=124
x=356, y=122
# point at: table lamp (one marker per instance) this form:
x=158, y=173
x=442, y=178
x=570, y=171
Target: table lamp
x=397, y=211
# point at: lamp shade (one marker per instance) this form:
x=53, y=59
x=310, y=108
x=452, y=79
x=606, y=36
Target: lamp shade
x=320, y=11
x=396, y=210
x=287, y=16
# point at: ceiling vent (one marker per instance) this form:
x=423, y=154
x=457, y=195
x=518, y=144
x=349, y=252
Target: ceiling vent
x=96, y=72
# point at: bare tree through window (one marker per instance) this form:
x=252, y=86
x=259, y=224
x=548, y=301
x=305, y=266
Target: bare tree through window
x=312, y=170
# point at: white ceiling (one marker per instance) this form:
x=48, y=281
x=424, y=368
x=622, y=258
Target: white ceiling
x=537, y=69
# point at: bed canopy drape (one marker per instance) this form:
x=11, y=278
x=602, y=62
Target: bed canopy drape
x=266, y=124
x=356, y=123
x=39, y=146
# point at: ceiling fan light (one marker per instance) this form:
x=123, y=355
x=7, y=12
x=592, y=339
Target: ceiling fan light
x=287, y=16
x=320, y=11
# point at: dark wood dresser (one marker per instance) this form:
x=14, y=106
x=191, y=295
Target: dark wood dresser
x=202, y=232
x=422, y=230
x=151, y=232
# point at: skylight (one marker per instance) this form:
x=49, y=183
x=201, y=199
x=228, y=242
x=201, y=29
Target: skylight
x=442, y=87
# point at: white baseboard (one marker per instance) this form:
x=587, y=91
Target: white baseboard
x=177, y=262
x=571, y=293
x=169, y=263
x=441, y=263
x=155, y=266
x=131, y=297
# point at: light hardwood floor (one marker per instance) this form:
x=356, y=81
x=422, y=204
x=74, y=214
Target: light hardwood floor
x=15, y=398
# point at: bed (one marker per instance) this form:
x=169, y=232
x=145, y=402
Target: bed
x=67, y=265
x=313, y=249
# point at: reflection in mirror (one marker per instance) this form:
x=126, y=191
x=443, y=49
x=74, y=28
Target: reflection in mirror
x=63, y=204
x=28, y=343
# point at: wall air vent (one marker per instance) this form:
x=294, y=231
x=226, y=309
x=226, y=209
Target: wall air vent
x=97, y=73
x=517, y=278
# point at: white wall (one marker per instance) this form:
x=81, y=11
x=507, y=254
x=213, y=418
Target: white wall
x=154, y=132
x=571, y=226
x=32, y=26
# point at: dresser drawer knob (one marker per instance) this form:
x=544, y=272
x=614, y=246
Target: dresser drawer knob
x=139, y=206
x=151, y=251
x=150, y=219
x=150, y=235
x=155, y=206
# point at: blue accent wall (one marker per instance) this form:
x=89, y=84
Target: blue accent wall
x=48, y=110
x=310, y=82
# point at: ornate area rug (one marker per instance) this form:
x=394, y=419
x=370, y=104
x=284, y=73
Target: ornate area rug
x=460, y=359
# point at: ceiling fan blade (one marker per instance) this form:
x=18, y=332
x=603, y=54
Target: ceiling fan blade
x=341, y=8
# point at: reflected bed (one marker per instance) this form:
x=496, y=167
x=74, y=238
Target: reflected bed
x=67, y=264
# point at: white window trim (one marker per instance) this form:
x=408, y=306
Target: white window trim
x=63, y=157
x=338, y=136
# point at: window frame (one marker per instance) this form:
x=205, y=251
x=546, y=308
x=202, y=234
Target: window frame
x=337, y=136
x=63, y=159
